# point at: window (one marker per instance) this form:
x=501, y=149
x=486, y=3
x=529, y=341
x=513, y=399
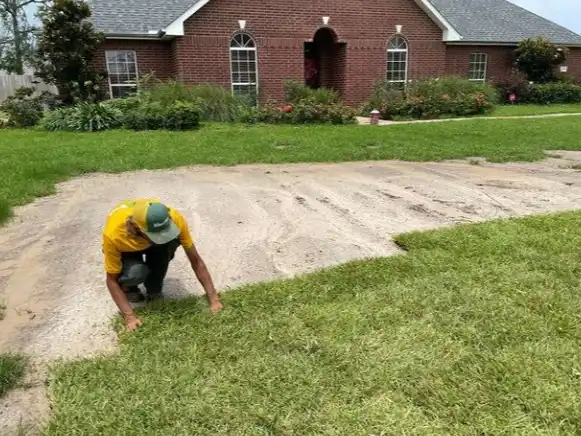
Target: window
x=397, y=61
x=243, y=65
x=122, y=69
x=477, y=70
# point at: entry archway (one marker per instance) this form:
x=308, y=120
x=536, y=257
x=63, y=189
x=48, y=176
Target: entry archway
x=325, y=58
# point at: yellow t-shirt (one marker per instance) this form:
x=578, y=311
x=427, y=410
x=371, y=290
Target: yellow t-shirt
x=117, y=240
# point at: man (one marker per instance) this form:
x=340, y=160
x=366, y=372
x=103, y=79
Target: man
x=139, y=240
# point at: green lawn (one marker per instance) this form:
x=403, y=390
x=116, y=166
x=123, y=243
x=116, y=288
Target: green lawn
x=33, y=161
x=534, y=109
x=476, y=331
x=11, y=365
x=11, y=370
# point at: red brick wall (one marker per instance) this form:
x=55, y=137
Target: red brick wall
x=282, y=28
x=574, y=63
x=500, y=60
x=152, y=56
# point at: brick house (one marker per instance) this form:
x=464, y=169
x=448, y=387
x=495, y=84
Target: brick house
x=253, y=46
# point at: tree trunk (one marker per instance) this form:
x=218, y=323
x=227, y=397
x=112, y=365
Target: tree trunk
x=18, y=62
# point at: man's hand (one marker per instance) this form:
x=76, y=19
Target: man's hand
x=216, y=306
x=205, y=279
x=132, y=322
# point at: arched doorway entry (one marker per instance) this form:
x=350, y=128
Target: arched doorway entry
x=325, y=60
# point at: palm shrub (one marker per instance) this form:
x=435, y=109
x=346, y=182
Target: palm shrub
x=83, y=117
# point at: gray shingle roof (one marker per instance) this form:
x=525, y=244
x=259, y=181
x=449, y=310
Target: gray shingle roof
x=136, y=17
x=476, y=20
x=500, y=21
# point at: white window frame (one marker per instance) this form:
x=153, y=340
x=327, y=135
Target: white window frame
x=478, y=60
x=405, y=50
x=121, y=85
x=252, y=48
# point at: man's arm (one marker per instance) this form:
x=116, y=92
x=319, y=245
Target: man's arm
x=204, y=277
x=118, y=295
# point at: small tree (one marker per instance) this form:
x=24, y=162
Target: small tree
x=538, y=58
x=66, y=47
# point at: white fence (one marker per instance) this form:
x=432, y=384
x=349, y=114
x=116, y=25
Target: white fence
x=11, y=82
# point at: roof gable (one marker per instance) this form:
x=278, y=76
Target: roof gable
x=500, y=21
x=137, y=17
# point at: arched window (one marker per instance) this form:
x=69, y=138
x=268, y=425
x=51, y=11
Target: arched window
x=244, y=65
x=397, y=61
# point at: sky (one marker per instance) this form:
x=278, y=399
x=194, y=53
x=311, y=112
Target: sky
x=564, y=12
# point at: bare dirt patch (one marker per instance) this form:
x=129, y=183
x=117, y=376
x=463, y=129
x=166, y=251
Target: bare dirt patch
x=251, y=223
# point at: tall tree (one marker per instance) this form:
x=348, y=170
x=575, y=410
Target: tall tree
x=65, y=50
x=17, y=42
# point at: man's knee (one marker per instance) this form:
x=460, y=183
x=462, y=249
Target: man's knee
x=134, y=274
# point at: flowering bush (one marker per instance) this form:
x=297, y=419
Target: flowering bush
x=306, y=111
x=435, y=98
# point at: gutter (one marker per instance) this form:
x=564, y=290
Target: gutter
x=152, y=35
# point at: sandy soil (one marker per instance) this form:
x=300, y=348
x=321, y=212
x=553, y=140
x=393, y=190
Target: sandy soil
x=251, y=223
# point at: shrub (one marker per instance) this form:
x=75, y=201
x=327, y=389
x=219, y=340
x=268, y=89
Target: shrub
x=516, y=83
x=84, y=117
x=123, y=105
x=538, y=59
x=147, y=116
x=155, y=116
x=307, y=111
x=557, y=92
x=167, y=92
x=441, y=106
x=58, y=119
x=432, y=98
x=182, y=116
x=295, y=92
x=214, y=102
x=219, y=104
x=383, y=95
x=312, y=111
x=22, y=108
x=94, y=117
x=452, y=86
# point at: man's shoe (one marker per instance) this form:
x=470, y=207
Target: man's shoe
x=134, y=295
x=157, y=296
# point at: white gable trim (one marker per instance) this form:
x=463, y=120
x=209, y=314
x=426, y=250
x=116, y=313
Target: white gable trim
x=176, y=28
x=449, y=33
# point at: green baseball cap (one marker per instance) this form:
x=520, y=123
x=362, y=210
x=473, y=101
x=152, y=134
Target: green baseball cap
x=154, y=220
